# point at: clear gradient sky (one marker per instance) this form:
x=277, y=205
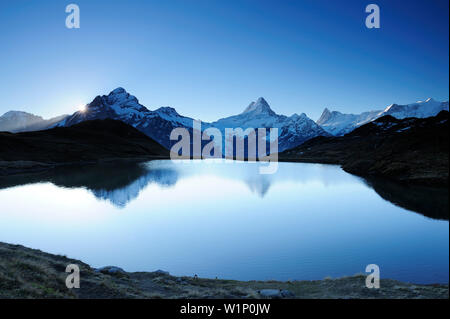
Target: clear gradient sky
x=211, y=58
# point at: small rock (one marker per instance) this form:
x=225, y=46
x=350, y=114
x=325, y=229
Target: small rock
x=276, y=293
x=180, y=281
x=162, y=272
x=270, y=293
x=111, y=270
x=287, y=294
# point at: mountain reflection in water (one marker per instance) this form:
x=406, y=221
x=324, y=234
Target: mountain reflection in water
x=117, y=183
x=121, y=183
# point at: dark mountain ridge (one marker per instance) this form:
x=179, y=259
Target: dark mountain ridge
x=412, y=150
x=89, y=141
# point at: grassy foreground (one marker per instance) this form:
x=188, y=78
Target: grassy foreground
x=30, y=273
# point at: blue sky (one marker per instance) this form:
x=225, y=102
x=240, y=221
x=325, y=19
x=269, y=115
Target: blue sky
x=211, y=58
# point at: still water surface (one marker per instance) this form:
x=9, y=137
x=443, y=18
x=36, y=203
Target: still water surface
x=307, y=221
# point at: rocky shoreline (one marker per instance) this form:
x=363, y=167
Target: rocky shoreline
x=31, y=273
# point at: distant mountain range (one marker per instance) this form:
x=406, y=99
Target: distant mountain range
x=18, y=121
x=158, y=124
x=338, y=124
x=409, y=150
x=293, y=130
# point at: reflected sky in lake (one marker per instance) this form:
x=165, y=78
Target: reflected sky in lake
x=307, y=221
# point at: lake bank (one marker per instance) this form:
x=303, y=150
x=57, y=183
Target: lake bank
x=20, y=167
x=99, y=141
x=429, y=201
x=435, y=178
x=30, y=273
x=410, y=151
x=301, y=223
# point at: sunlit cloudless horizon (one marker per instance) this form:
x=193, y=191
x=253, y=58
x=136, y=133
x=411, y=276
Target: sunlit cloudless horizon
x=210, y=59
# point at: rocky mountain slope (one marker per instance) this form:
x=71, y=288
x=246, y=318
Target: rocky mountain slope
x=292, y=130
x=412, y=150
x=120, y=105
x=90, y=141
x=338, y=124
x=158, y=124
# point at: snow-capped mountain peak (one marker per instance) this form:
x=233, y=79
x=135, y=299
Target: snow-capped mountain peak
x=15, y=121
x=121, y=96
x=296, y=117
x=326, y=114
x=120, y=105
x=337, y=123
x=119, y=90
x=21, y=115
x=170, y=114
x=292, y=131
x=259, y=107
x=419, y=109
x=167, y=110
x=19, y=121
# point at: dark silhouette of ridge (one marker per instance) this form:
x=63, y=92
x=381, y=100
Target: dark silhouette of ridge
x=90, y=141
x=411, y=150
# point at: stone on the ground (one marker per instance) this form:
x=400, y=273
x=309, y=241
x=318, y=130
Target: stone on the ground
x=270, y=293
x=287, y=294
x=276, y=293
x=111, y=270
